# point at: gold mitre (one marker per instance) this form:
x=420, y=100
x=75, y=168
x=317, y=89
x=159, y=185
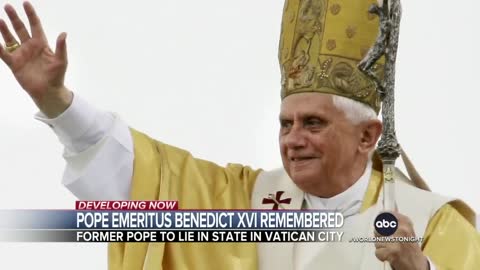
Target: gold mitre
x=321, y=44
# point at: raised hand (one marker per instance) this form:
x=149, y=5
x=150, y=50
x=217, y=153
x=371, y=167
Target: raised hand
x=39, y=70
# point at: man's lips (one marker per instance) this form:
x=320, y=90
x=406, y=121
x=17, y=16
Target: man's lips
x=303, y=158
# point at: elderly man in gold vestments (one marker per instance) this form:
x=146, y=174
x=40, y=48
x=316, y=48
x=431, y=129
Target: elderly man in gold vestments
x=329, y=130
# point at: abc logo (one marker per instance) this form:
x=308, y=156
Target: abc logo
x=386, y=224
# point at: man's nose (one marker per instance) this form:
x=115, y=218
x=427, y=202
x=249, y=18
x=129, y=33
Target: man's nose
x=295, y=138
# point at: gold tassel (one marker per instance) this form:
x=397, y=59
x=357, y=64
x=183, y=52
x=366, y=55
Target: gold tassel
x=412, y=172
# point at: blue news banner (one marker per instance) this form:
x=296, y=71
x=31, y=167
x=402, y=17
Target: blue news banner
x=170, y=226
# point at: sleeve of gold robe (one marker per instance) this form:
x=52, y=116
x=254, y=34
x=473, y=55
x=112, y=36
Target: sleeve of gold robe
x=163, y=172
x=451, y=241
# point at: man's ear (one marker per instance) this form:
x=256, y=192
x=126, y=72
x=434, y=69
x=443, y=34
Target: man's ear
x=370, y=133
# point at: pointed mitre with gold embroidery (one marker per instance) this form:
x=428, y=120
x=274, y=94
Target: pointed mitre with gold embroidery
x=321, y=44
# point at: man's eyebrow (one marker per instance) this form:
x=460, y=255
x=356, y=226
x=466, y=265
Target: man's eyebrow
x=300, y=115
x=312, y=115
x=282, y=117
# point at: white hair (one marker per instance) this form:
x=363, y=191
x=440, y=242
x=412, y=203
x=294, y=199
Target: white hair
x=355, y=111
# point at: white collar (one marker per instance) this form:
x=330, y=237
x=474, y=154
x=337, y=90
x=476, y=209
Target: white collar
x=348, y=202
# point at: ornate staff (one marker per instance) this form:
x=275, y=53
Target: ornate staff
x=386, y=44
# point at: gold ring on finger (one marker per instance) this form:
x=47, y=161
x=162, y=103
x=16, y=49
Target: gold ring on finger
x=13, y=47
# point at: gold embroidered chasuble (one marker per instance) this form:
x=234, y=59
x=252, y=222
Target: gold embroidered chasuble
x=163, y=172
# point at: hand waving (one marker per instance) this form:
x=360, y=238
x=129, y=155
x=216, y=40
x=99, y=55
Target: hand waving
x=38, y=69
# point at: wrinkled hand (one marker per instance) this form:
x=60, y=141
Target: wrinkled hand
x=38, y=69
x=402, y=255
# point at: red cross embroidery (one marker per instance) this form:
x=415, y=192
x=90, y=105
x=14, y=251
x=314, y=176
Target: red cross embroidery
x=276, y=201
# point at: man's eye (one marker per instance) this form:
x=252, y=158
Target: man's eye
x=285, y=124
x=314, y=123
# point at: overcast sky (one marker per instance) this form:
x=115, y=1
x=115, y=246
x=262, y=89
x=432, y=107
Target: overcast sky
x=204, y=76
